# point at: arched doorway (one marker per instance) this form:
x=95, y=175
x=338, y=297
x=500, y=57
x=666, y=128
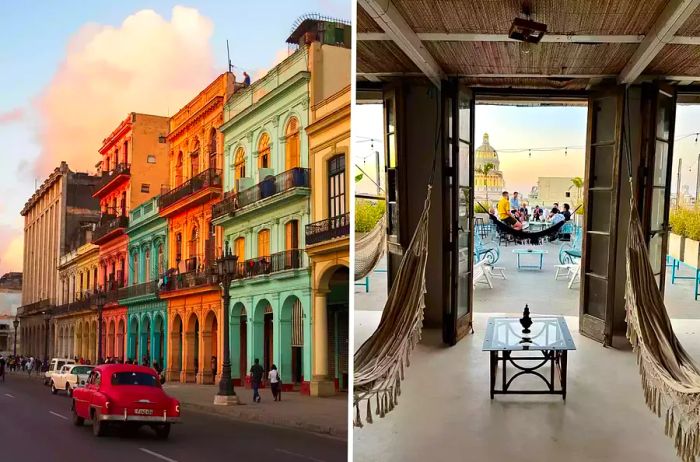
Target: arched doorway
x=175, y=349
x=145, y=341
x=239, y=343
x=133, y=349
x=92, y=353
x=291, y=337
x=210, y=346
x=111, y=339
x=120, y=340
x=158, y=340
x=192, y=349
x=263, y=346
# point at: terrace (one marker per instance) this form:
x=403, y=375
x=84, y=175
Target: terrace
x=328, y=229
x=110, y=226
x=197, y=190
x=110, y=180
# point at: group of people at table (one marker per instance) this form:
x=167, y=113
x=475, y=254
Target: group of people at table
x=511, y=212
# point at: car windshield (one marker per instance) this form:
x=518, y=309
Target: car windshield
x=134, y=378
x=81, y=370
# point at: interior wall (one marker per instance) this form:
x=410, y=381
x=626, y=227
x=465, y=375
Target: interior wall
x=419, y=117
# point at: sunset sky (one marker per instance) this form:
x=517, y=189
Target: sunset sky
x=73, y=70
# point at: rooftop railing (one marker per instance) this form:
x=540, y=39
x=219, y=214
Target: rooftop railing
x=208, y=178
x=109, y=223
x=107, y=177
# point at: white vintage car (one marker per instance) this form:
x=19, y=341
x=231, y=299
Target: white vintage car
x=70, y=377
x=54, y=366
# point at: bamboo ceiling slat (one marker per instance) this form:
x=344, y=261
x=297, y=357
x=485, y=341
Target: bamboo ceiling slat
x=365, y=23
x=691, y=27
x=676, y=60
x=594, y=17
x=382, y=56
x=527, y=83
x=464, y=58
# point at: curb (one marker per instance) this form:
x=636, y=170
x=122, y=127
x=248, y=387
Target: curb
x=267, y=420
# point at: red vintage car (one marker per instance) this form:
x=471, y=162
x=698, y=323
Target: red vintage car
x=125, y=395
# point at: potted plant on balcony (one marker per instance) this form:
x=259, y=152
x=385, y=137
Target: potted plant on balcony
x=298, y=175
x=267, y=187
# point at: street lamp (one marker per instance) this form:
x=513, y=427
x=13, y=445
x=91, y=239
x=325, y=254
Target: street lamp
x=47, y=318
x=226, y=270
x=100, y=299
x=15, y=324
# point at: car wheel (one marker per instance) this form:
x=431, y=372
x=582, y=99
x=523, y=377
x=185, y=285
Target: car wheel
x=53, y=388
x=98, y=427
x=162, y=431
x=77, y=420
x=69, y=391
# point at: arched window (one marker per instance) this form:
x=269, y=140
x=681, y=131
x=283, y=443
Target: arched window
x=160, y=259
x=212, y=148
x=193, y=246
x=147, y=268
x=178, y=247
x=135, y=268
x=238, y=165
x=291, y=235
x=292, y=144
x=239, y=248
x=194, y=159
x=264, y=243
x=178, y=170
x=126, y=152
x=264, y=151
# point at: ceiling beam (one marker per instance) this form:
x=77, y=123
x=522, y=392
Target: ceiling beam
x=551, y=38
x=369, y=75
x=384, y=13
x=662, y=31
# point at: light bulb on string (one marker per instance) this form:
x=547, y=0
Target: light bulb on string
x=696, y=138
x=529, y=153
x=566, y=151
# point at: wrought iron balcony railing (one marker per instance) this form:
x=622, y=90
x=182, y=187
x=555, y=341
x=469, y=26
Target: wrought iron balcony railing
x=107, y=177
x=281, y=261
x=85, y=302
x=294, y=178
x=32, y=308
x=188, y=280
x=330, y=228
x=208, y=178
x=138, y=290
x=109, y=223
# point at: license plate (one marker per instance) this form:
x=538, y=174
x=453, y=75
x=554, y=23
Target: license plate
x=143, y=411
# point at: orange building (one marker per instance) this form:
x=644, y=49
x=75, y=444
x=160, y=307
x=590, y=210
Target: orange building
x=134, y=168
x=194, y=298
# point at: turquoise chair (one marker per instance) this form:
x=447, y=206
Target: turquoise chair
x=570, y=251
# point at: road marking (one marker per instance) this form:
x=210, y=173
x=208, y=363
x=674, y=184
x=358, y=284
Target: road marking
x=301, y=456
x=9, y=395
x=58, y=415
x=159, y=456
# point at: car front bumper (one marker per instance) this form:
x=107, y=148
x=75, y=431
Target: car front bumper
x=147, y=419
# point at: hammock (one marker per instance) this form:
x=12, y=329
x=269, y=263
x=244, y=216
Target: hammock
x=670, y=378
x=379, y=363
x=369, y=249
x=533, y=237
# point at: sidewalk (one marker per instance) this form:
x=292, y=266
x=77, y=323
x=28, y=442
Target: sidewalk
x=319, y=415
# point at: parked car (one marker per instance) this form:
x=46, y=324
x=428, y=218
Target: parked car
x=125, y=395
x=54, y=366
x=70, y=377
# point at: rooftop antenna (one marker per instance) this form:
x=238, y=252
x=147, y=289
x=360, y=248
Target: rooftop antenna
x=228, y=54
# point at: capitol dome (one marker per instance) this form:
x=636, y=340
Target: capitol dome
x=485, y=154
x=487, y=187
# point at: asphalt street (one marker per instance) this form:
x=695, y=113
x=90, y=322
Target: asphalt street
x=35, y=426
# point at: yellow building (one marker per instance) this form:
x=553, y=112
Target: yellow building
x=488, y=178
x=327, y=239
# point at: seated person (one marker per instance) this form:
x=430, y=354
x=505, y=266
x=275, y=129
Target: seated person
x=554, y=211
x=537, y=213
x=557, y=218
x=504, y=210
x=566, y=212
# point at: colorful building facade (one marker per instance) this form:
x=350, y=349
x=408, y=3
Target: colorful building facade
x=148, y=260
x=134, y=168
x=191, y=291
x=267, y=207
x=328, y=240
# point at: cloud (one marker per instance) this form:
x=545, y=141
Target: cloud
x=147, y=64
x=11, y=249
x=15, y=115
x=280, y=55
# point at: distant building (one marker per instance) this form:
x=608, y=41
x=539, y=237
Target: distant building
x=487, y=187
x=552, y=189
x=10, y=300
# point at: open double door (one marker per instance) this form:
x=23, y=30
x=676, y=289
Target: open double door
x=629, y=133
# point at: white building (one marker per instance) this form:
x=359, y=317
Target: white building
x=557, y=189
x=10, y=300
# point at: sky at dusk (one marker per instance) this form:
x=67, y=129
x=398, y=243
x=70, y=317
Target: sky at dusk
x=74, y=69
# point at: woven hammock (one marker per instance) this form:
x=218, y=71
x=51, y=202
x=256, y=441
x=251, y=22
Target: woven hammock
x=369, y=249
x=380, y=361
x=670, y=378
x=533, y=237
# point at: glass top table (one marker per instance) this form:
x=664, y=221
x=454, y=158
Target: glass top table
x=546, y=333
x=547, y=343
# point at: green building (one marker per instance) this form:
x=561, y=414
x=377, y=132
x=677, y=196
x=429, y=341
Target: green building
x=146, y=312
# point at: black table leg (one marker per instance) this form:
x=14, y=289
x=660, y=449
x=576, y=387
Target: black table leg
x=563, y=374
x=494, y=365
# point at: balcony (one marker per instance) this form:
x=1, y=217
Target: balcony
x=33, y=308
x=84, y=302
x=281, y=261
x=188, y=280
x=109, y=227
x=197, y=189
x=330, y=228
x=138, y=290
x=272, y=186
x=111, y=179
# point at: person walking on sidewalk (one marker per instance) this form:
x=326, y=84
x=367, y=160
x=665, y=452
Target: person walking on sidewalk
x=275, y=383
x=213, y=368
x=256, y=374
x=2, y=369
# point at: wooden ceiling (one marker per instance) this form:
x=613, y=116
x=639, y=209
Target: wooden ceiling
x=586, y=41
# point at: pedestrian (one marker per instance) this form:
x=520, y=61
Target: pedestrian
x=246, y=79
x=256, y=374
x=275, y=383
x=213, y=367
x=2, y=368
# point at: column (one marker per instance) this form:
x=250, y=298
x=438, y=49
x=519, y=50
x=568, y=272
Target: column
x=321, y=384
x=175, y=355
x=188, y=374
